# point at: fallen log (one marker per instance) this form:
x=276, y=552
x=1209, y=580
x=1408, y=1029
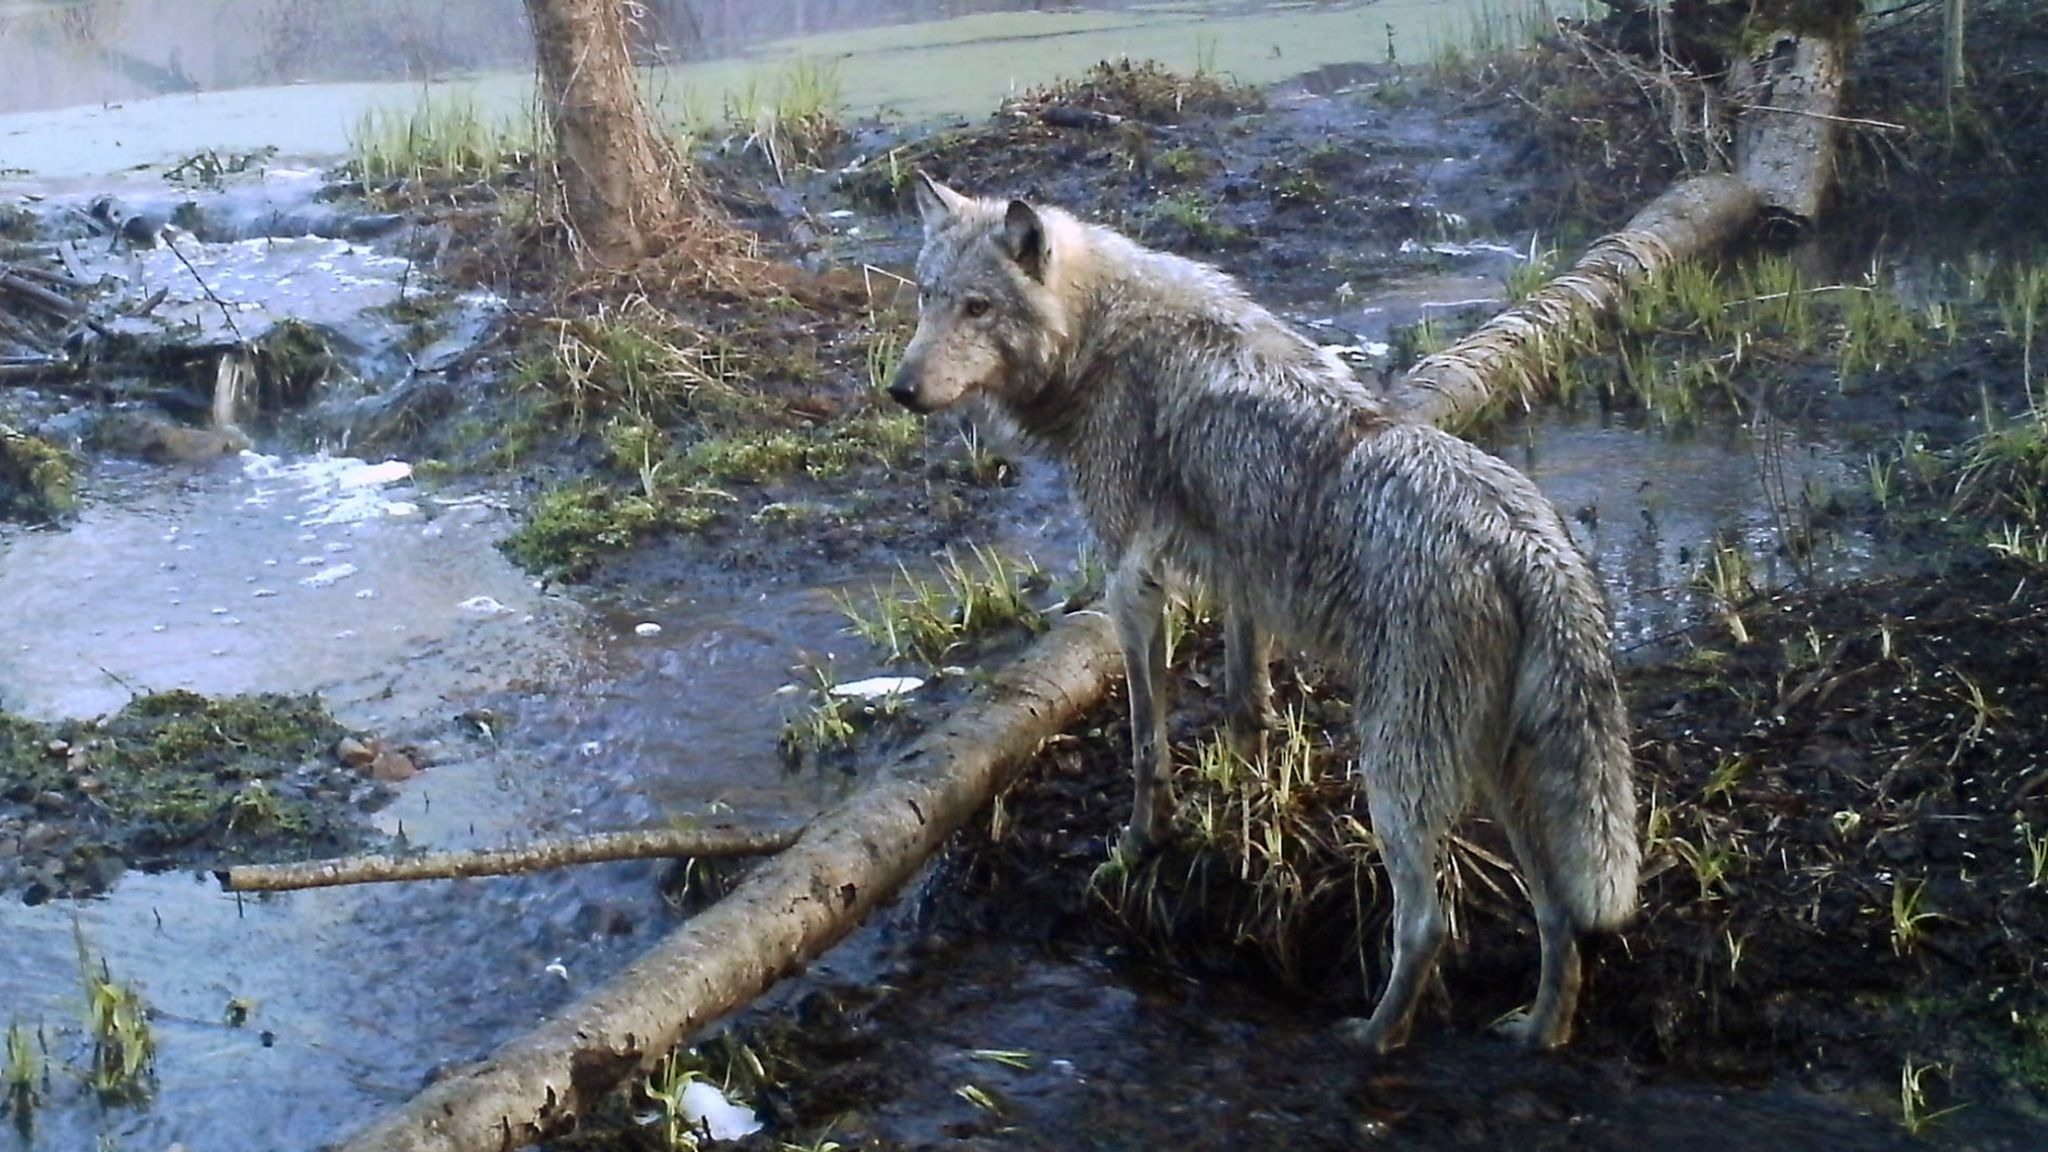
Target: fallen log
x=658, y=843
x=789, y=909
x=1507, y=360
x=815, y=892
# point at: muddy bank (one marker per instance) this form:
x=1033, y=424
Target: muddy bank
x=178, y=780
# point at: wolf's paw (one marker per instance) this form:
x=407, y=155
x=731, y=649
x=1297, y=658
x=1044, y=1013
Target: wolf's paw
x=1364, y=1034
x=1524, y=1029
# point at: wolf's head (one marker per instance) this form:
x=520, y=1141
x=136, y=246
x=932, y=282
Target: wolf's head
x=995, y=295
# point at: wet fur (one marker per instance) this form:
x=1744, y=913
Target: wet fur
x=1206, y=440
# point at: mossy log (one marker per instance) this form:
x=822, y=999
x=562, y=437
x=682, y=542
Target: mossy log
x=1508, y=360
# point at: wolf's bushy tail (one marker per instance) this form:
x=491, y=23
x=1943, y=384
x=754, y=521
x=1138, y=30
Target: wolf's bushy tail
x=1572, y=737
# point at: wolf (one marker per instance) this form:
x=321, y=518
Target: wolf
x=1206, y=441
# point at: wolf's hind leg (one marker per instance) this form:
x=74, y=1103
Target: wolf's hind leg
x=1409, y=819
x=1548, y=1022
x=1247, y=683
x=1137, y=603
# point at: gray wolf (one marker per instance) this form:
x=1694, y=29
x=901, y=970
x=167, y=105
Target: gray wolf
x=1204, y=440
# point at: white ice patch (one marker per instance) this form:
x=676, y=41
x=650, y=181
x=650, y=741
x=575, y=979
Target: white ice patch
x=332, y=489
x=720, y=1119
x=1449, y=248
x=876, y=687
x=329, y=575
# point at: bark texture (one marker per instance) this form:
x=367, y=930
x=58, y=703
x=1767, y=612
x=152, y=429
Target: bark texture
x=618, y=176
x=1791, y=98
x=790, y=909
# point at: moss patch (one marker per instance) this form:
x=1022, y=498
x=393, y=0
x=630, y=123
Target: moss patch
x=36, y=478
x=172, y=778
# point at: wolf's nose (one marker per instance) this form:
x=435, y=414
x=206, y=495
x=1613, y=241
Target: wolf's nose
x=905, y=393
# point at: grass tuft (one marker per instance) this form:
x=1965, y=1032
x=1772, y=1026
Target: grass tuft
x=927, y=620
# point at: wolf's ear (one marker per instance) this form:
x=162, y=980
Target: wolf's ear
x=936, y=203
x=1024, y=239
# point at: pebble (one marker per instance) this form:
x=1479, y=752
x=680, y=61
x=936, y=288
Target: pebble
x=354, y=752
x=392, y=767
x=101, y=872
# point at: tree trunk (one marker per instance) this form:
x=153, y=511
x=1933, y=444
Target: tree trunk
x=1791, y=95
x=619, y=179
x=790, y=909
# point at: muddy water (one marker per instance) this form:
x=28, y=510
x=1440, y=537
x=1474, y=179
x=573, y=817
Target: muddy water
x=337, y=577
x=320, y=572
x=1649, y=507
x=1096, y=1053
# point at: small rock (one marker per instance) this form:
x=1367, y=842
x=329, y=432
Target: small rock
x=57, y=749
x=52, y=801
x=160, y=441
x=392, y=767
x=39, y=837
x=354, y=752
x=647, y=628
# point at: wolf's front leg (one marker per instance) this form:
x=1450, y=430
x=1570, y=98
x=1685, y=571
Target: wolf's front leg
x=1247, y=683
x=1137, y=603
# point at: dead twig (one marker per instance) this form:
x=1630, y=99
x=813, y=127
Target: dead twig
x=669, y=843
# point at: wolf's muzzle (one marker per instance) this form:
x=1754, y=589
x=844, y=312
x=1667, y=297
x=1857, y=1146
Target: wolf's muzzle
x=904, y=392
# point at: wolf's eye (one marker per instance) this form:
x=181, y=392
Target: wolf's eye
x=976, y=307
